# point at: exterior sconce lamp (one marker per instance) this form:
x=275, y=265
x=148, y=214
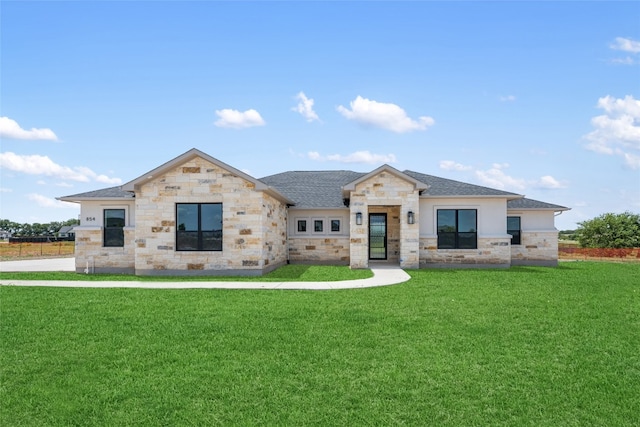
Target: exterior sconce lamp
x=359, y=218
x=410, y=217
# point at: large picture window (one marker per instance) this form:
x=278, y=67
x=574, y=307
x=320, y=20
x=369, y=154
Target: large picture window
x=457, y=229
x=199, y=226
x=514, y=228
x=114, y=227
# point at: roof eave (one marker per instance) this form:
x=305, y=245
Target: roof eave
x=91, y=199
x=559, y=209
x=320, y=208
x=473, y=196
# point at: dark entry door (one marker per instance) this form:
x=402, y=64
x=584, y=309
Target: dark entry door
x=378, y=236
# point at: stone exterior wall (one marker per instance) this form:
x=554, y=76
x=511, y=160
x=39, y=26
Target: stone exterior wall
x=384, y=189
x=274, y=230
x=537, y=248
x=99, y=259
x=493, y=252
x=319, y=250
x=246, y=213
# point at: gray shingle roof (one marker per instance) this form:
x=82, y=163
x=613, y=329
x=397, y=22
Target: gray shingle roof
x=313, y=189
x=323, y=189
x=105, y=193
x=533, y=204
x=448, y=187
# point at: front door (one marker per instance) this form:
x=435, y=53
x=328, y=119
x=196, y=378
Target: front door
x=377, y=236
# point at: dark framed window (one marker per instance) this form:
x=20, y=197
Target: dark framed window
x=199, y=226
x=335, y=225
x=457, y=228
x=302, y=226
x=113, y=228
x=514, y=228
x=318, y=225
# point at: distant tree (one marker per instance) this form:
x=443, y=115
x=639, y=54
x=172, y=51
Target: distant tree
x=35, y=229
x=567, y=234
x=610, y=230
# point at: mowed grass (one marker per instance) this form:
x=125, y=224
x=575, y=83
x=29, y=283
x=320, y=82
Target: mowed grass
x=524, y=346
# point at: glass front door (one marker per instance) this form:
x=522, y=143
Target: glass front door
x=378, y=236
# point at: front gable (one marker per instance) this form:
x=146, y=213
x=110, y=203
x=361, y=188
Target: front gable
x=195, y=162
x=384, y=173
x=244, y=228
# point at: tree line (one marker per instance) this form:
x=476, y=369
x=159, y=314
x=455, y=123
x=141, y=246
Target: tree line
x=16, y=229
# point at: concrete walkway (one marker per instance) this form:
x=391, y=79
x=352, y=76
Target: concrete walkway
x=45, y=264
x=383, y=275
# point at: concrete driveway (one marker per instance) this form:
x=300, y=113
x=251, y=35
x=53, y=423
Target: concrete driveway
x=48, y=264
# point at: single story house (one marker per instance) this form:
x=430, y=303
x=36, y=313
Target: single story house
x=67, y=232
x=198, y=215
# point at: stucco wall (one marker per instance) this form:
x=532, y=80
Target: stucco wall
x=245, y=213
x=492, y=213
x=535, y=220
x=92, y=212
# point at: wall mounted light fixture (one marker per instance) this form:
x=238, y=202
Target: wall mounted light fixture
x=411, y=217
x=359, y=218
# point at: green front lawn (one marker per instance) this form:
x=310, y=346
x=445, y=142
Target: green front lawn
x=523, y=346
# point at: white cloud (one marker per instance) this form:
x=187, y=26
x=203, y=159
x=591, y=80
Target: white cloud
x=356, y=157
x=305, y=107
x=383, y=115
x=238, y=120
x=451, y=165
x=5, y=190
x=508, y=98
x=549, y=182
x=47, y=202
x=43, y=165
x=617, y=132
x=627, y=60
x=626, y=45
x=497, y=178
x=631, y=160
x=11, y=129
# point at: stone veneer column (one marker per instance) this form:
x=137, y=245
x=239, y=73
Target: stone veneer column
x=384, y=189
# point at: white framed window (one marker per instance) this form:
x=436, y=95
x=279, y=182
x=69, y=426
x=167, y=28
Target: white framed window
x=318, y=225
x=335, y=225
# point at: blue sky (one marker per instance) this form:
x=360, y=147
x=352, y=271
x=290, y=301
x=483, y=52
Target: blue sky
x=538, y=98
